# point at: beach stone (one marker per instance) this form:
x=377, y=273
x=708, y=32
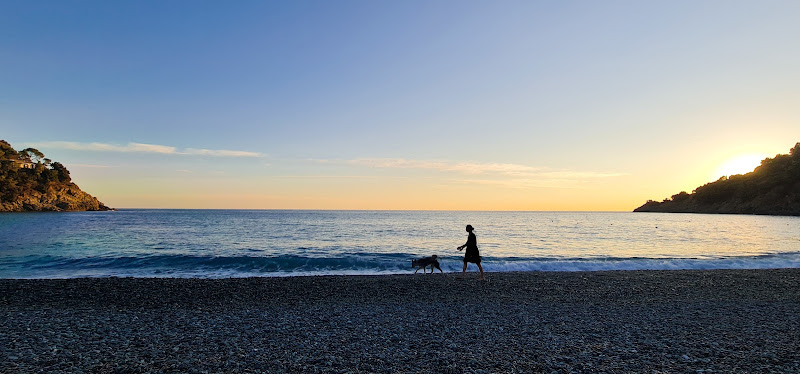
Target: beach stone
x=725, y=321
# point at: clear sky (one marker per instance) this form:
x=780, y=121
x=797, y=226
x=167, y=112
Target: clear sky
x=469, y=105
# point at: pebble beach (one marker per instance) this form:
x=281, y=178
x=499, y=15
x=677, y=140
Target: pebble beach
x=698, y=321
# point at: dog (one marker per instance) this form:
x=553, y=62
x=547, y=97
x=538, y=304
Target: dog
x=423, y=263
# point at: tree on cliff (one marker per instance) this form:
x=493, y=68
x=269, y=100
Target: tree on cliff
x=60, y=172
x=772, y=188
x=32, y=155
x=7, y=152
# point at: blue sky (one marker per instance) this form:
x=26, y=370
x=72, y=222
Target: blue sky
x=398, y=105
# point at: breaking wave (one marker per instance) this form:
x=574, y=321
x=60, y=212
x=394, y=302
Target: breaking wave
x=351, y=264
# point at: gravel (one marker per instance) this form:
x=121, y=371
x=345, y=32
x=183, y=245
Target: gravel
x=698, y=321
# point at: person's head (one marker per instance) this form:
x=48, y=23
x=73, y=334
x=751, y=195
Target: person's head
x=470, y=228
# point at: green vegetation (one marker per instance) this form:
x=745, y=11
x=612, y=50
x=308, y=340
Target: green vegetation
x=772, y=188
x=31, y=182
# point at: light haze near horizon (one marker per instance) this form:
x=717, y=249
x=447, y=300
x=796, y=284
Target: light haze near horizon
x=398, y=105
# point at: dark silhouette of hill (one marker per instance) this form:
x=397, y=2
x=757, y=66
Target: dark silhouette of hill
x=772, y=188
x=31, y=182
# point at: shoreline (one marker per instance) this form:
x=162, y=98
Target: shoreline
x=378, y=274
x=621, y=321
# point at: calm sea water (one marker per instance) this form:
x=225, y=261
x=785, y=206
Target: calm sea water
x=239, y=243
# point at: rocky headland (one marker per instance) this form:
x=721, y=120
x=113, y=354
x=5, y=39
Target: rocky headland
x=29, y=182
x=773, y=188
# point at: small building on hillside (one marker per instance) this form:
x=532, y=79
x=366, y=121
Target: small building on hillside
x=24, y=164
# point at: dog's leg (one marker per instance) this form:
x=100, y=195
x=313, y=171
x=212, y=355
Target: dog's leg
x=416, y=271
x=437, y=266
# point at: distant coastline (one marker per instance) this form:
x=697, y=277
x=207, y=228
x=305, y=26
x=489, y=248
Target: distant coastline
x=771, y=189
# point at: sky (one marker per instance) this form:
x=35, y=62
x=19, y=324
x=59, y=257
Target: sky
x=441, y=105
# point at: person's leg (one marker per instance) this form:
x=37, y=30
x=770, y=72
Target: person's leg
x=481, y=269
x=464, y=270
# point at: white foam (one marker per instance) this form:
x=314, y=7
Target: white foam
x=448, y=264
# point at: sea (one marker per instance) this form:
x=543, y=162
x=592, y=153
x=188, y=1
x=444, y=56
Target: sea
x=275, y=243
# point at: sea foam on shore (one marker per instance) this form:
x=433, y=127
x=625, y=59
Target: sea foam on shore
x=180, y=266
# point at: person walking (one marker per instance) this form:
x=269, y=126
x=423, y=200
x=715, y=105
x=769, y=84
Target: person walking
x=471, y=254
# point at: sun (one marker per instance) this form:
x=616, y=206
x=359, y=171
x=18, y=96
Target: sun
x=739, y=165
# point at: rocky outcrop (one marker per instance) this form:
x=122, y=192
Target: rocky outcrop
x=57, y=198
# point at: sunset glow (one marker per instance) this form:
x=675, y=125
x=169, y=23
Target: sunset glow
x=739, y=165
x=465, y=105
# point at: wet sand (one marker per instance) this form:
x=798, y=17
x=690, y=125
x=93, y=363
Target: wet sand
x=615, y=321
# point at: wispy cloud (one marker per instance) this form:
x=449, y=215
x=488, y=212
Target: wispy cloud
x=219, y=153
x=525, y=183
x=475, y=168
x=144, y=148
x=90, y=166
x=461, y=167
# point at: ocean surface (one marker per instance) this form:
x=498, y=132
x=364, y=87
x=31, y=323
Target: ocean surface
x=244, y=243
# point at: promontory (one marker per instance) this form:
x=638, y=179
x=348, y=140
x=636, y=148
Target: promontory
x=773, y=188
x=29, y=182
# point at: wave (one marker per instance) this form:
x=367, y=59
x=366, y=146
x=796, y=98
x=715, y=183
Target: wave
x=350, y=264
x=768, y=261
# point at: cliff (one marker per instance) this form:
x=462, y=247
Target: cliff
x=772, y=188
x=30, y=182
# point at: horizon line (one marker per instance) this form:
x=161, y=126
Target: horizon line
x=392, y=210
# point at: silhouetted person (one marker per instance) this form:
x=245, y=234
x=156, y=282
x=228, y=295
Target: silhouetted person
x=472, y=254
